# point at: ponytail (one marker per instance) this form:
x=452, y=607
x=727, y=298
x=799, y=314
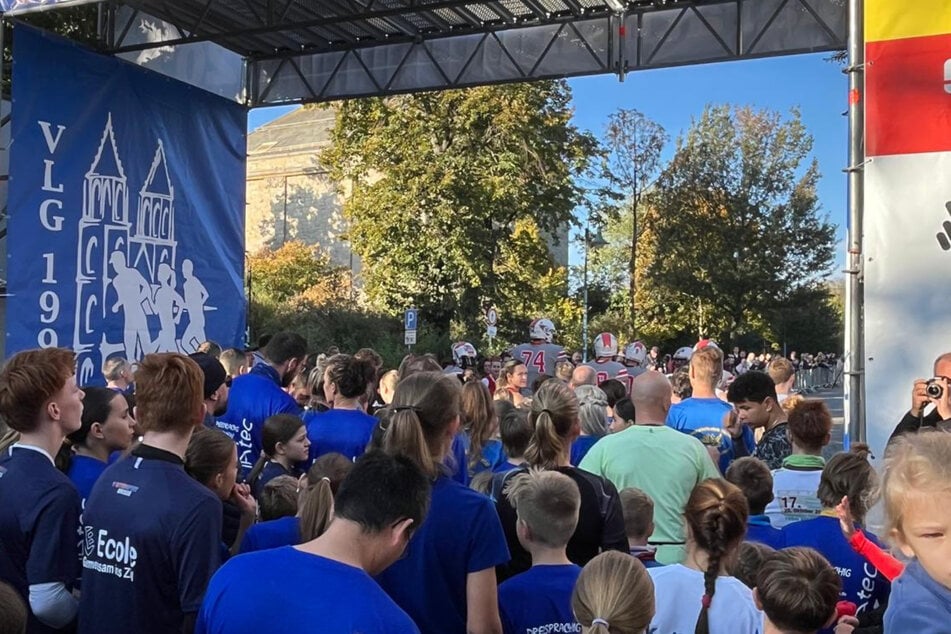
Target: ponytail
x=315, y=509
x=555, y=419
x=423, y=407
x=257, y=469
x=613, y=593
x=716, y=513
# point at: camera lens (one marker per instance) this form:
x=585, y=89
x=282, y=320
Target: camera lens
x=934, y=390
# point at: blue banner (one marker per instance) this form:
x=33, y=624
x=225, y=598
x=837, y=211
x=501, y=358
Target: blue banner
x=126, y=208
x=22, y=6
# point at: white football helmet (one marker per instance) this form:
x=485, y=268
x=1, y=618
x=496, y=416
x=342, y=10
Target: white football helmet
x=542, y=328
x=683, y=354
x=636, y=352
x=464, y=354
x=605, y=345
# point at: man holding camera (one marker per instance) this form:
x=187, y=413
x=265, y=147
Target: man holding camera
x=925, y=391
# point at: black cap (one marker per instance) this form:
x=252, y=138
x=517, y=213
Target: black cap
x=214, y=372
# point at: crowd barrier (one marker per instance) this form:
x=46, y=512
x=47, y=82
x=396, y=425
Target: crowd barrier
x=817, y=378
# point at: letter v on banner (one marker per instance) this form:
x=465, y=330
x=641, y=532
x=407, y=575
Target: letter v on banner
x=907, y=225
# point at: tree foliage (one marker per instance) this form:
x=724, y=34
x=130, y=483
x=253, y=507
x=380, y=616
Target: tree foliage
x=733, y=243
x=441, y=189
x=296, y=273
x=631, y=160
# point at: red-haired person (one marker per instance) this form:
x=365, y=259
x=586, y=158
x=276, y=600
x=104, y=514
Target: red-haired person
x=39, y=506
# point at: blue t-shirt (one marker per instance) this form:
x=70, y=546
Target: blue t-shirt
x=457, y=460
x=758, y=529
x=343, y=431
x=286, y=590
x=253, y=398
x=702, y=418
x=493, y=455
x=862, y=583
x=918, y=603
x=39, y=523
x=580, y=447
x=284, y=531
x=270, y=471
x=461, y=534
x=152, y=543
x=539, y=600
x=83, y=473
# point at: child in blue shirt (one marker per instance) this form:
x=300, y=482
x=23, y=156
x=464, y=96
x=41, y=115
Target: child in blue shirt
x=846, y=474
x=107, y=427
x=325, y=584
x=797, y=590
x=345, y=428
x=284, y=445
x=446, y=582
x=917, y=486
x=39, y=506
x=755, y=480
x=638, y=510
x=539, y=599
x=152, y=534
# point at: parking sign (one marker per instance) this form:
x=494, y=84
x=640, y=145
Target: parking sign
x=411, y=319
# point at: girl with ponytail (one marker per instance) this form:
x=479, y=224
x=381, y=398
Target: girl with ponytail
x=446, y=581
x=284, y=444
x=715, y=515
x=555, y=418
x=613, y=595
x=314, y=508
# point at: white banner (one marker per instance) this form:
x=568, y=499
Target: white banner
x=907, y=303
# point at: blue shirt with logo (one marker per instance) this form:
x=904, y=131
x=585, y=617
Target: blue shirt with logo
x=39, y=520
x=152, y=539
x=253, y=398
x=461, y=534
x=284, y=531
x=343, y=431
x=294, y=591
x=862, y=583
x=702, y=418
x=539, y=600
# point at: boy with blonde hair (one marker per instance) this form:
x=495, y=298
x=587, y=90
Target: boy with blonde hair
x=539, y=599
x=917, y=486
x=638, y=510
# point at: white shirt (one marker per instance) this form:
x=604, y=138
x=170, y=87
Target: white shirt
x=678, y=592
x=794, y=496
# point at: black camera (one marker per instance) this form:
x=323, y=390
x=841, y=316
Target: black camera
x=934, y=388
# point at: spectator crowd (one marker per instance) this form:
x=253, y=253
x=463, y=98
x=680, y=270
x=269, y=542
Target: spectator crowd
x=276, y=489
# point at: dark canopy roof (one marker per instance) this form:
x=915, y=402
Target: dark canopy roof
x=291, y=51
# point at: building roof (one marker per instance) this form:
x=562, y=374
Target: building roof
x=302, y=130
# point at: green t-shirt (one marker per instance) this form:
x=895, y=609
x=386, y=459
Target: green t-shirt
x=664, y=463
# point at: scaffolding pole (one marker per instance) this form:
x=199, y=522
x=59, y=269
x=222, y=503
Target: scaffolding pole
x=854, y=402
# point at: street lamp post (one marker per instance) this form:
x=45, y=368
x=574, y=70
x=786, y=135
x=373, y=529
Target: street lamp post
x=590, y=241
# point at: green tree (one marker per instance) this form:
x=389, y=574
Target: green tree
x=736, y=235
x=296, y=273
x=436, y=184
x=631, y=161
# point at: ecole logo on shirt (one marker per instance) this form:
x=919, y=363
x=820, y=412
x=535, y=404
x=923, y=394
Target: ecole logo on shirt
x=109, y=556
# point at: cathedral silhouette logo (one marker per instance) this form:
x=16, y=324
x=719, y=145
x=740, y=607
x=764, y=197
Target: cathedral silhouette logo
x=127, y=266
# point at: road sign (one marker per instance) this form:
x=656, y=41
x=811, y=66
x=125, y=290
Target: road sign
x=491, y=318
x=411, y=319
x=491, y=331
x=409, y=338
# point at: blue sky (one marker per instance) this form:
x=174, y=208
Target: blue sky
x=674, y=96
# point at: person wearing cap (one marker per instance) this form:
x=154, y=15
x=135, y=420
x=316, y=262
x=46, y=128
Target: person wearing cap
x=215, y=388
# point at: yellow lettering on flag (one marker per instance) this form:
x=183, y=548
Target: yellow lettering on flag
x=900, y=19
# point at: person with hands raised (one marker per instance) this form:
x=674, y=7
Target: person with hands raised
x=872, y=552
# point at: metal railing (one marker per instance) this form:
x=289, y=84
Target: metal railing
x=816, y=378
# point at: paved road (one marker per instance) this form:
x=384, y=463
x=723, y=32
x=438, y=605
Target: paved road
x=834, y=401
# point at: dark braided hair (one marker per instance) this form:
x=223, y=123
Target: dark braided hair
x=716, y=513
